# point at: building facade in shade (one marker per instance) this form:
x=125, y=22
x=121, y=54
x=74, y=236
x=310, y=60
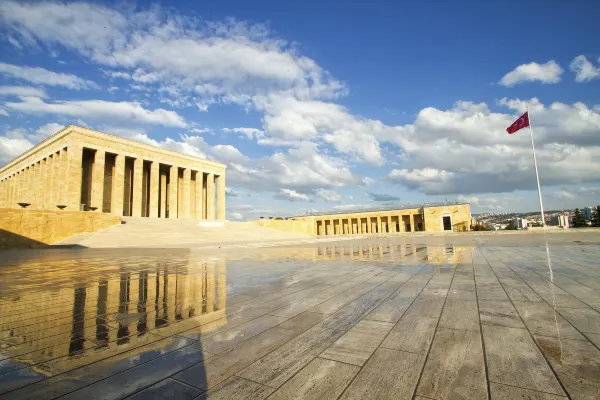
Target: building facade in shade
x=82, y=169
x=443, y=217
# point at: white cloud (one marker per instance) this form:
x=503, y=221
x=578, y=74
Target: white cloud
x=291, y=195
x=235, y=215
x=584, y=70
x=467, y=150
x=17, y=141
x=199, y=130
x=562, y=195
x=22, y=91
x=157, y=46
x=99, y=109
x=13, y=144
x=589, y=190
x=42, y=76
x=367, y=181
x=546, y=73
x=3, y=112
x=352, y=207
x=488, y=203
x=250, y=133
x=328, y=195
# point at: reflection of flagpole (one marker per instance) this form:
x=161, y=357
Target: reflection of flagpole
x=537, y=175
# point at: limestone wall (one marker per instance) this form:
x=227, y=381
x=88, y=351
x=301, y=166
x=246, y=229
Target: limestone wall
x=33, y=228
x=287, y=225
x=460, y=214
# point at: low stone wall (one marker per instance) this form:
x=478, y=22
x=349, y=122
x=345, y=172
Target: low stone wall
x=38, y=228
x=287, y=225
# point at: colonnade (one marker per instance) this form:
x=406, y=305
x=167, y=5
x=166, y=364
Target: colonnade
x=80, y=177
x=330, y=225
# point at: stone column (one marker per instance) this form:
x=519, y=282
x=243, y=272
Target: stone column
x=118, y=186
x=368, y=225
x=204, y=196
x=154, y=184
x=391, y=224
x=138, y=177
x=379, y=226
x=401, y=223
x=412, y=223
x=163, y=195
x=199, y=195
x=74, y=155
x=52, y=181
x=57, y=177
x=340, y=227
x=221, y=194
x=210, y=197
x=98, y=180
x=187, y=182
x=173, y=186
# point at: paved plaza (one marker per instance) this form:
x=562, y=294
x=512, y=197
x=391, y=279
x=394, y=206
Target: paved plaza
x=413, y=317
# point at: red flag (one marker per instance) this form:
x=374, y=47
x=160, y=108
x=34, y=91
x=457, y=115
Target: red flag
x=522, y=122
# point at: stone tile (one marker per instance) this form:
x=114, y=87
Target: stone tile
x=462, y=294
x=303, y=321
x=460, y=314
x=495, y=293
x=110, y=361
x=586, y=320
x=357, y=345
x=389, y=374
x=222, y=324
x=230, y=337
x=455, y=366
x=426, y=307
x=522, y=293
x=355, y=311
x=339, y=301
x=541, y=319
x=216, y=369
x=142, y=376
x=236, y=388
x=167, y=389
x=500, y=313
x=594, y=338
x=320, y=379
x=504, y=392
x=391, y=310
x=280, y=365
x=411, y=334
x=577, y=364
x=514, y=359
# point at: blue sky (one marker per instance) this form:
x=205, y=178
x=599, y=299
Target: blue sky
x=322, y=105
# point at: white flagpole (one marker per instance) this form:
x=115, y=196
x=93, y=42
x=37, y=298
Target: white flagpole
x=537, y=175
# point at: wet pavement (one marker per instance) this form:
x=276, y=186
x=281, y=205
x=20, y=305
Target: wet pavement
x=465, y=317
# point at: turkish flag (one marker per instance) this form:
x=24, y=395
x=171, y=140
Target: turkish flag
x=522, y=122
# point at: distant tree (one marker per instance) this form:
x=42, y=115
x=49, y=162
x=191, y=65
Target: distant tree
x=578, y=220
x=511, y=226
x=481, y=227
x=596, y=217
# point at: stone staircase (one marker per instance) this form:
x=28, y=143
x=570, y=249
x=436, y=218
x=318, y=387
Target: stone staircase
x=147, y=232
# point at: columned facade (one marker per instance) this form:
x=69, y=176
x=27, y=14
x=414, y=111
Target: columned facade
x=452, y=217
x=81, y=169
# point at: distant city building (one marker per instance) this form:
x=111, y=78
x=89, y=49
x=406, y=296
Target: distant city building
x=520, y=223
x=587, y=213
x=562, y=220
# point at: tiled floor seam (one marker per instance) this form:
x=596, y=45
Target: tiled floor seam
x=533, y=390
x=378, y=347
x=416, y=388
x=530, y=334
x=485, y=364
x=345, y=330
x=555, y=310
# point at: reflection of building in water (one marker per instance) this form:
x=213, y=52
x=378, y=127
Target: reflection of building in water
x=168, y=298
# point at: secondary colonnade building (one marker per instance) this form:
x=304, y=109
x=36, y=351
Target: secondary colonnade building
x=438, y=217
x=82, y=169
